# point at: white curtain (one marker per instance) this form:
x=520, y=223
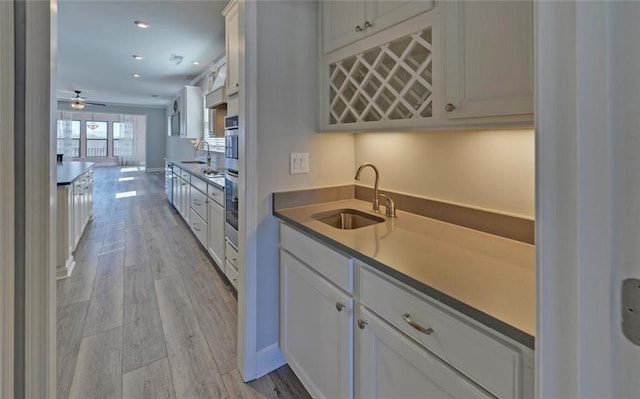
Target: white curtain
x=129, y=140
x=64, y=135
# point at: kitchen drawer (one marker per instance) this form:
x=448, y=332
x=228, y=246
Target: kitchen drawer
x=199, y=227
x=185, y=175
x=199, y=203
x=489, y=361
x=216, y=194
x=231, y=254
x=335, y=266
x=232, y=274
x=199, y=184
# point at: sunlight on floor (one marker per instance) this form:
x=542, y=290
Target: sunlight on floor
x=126, y=178
x=126, y=194
x=130, y=169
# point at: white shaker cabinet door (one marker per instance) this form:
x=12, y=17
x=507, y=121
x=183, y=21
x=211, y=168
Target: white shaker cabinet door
x=390, y=365
x=216, y=232
x=489, y=58
x=343, y=23
x=316, y=330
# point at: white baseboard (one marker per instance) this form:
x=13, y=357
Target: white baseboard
x=269, y=359
x=155, y=170
x=66, y=270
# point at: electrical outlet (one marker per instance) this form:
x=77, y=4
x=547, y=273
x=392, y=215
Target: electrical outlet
x=299, y=163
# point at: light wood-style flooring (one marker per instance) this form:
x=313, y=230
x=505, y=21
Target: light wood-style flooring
x=145, y=313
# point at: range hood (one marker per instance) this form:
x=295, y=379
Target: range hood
x=216, y=97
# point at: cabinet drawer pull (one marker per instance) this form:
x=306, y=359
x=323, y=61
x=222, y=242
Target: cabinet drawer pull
x=407, y=319
x=359, y=28
x=197, y=202
x=340, y=306
x=449, y=107
x=362, y=324
x=367, y=24
x=195, y=227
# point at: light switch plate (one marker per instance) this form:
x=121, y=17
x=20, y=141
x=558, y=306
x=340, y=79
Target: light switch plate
x=299, y=163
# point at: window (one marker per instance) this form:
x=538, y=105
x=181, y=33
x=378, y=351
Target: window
x=121, y=146
x=75, y=137
x=97, y=138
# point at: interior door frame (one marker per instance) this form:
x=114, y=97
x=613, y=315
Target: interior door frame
x=6, y=198
x=27, y=198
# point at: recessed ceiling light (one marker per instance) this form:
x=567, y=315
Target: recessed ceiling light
x=136, y=75
x=142, y=24
x=196, y=62
x=137, y=57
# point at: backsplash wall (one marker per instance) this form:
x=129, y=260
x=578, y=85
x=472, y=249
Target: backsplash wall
x=491, y=170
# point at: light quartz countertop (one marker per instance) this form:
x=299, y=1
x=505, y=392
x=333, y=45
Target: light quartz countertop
x=68, y=171
x=486, y=277
x=197, y=169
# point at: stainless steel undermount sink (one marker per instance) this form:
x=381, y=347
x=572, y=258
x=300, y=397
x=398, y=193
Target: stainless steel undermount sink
x=195, y=161
x=347, y=219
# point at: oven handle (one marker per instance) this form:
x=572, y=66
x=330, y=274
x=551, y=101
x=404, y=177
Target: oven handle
x=233, y=177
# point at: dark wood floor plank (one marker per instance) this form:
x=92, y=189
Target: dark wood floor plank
x=287, y=384
x=70, y=323
x=194, y=371
x=79, y=286
x=106, y=305
x=98, y=372
x=262, y=388
x=217, y=322
x=143, y=338
x=152, y=381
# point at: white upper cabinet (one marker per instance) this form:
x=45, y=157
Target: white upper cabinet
x=346, y=21
x=489, y=58
x=232, y=29
x=190, y=105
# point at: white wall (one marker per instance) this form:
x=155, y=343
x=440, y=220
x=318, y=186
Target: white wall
x=492, y=170
x=287, y=122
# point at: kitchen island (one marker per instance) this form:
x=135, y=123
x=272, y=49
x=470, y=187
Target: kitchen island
x=74, y=210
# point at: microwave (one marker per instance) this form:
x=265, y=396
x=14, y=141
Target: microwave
x=175, y=124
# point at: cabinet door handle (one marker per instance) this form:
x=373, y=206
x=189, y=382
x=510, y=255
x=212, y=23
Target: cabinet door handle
x=340, y=306
x=407, y=319
x=449, y=107
x=367, y=24
x=362, y=324
x=237, y=84
x=359, y=28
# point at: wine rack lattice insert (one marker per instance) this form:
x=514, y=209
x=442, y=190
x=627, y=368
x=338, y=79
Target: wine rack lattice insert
x=388, y=82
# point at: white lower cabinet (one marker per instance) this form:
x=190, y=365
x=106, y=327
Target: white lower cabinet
x=390, y=365
x=215, y=244
x=406, y=344
x=316, y=331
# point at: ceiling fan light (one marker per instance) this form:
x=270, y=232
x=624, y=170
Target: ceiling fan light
x=92, y=125
x=77, y=105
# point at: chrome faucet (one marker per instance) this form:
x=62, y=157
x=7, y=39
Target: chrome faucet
x=208, y=151
x=391, y=206
x=376, y=203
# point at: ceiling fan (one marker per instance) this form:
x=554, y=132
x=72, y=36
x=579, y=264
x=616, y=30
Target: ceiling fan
x=78, y=102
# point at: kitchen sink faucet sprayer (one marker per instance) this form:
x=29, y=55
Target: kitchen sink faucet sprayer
x=376, y=203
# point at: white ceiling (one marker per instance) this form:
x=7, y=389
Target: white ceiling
x=96, y=41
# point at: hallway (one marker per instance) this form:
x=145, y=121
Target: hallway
x=145, y=313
